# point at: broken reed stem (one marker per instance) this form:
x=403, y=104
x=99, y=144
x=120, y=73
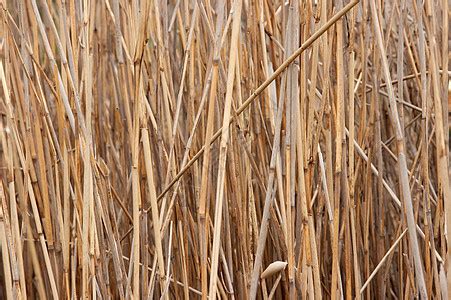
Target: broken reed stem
x=112, y=185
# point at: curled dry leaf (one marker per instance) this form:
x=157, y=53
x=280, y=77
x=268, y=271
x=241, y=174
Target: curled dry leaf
x=274, y=268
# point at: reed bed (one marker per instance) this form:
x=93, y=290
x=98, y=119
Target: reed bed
x=204, y=149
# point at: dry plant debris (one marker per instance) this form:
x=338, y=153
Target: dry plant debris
x=241, y=149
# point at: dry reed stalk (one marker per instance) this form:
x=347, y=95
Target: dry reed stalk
x=331, y=167
x=401, y=158
x=224, y=146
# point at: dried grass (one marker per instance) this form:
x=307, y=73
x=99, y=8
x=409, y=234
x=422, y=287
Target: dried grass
x=224, y=149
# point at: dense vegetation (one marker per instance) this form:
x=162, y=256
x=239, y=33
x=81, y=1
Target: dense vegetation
x=231, y=149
